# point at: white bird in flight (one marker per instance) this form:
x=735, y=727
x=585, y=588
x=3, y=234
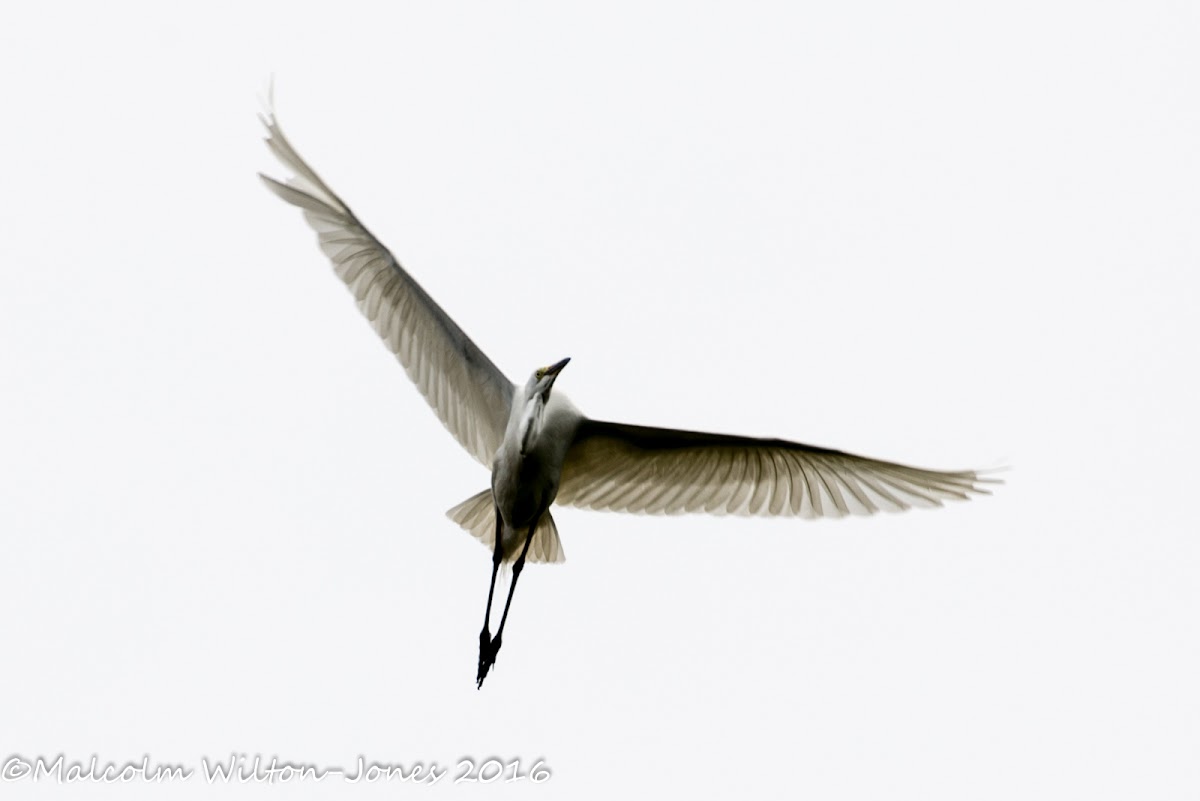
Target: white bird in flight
x=542, y=450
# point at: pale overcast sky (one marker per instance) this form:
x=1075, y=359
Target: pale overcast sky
x=931, y=232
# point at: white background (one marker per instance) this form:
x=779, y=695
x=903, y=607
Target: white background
x=948, y=237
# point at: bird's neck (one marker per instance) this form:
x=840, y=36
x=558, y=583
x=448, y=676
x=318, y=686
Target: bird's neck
x=529, y=424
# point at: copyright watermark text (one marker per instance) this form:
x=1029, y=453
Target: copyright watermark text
x=246, y=769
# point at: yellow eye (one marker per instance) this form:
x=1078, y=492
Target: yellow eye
x=541, y=372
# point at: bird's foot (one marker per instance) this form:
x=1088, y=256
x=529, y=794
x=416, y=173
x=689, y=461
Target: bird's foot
x=487, y=658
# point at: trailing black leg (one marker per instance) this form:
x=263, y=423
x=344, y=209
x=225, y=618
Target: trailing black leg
x=494, y=647
x=486, y=652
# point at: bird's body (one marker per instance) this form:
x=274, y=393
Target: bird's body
x=528, y=465
x=542, y=450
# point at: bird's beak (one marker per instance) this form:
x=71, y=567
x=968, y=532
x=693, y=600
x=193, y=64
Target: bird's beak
x=556, y=368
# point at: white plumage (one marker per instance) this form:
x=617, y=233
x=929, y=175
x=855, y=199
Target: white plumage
x=542, y=450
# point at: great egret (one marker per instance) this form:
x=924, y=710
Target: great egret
x=542, y=450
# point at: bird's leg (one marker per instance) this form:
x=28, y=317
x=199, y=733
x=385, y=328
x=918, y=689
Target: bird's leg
x=486, y=655
x=517, y=568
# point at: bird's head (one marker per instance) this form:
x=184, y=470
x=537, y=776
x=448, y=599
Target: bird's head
x=528, y=416
x=542, y=381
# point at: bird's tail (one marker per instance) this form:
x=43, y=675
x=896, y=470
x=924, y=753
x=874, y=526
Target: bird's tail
x=477, y=515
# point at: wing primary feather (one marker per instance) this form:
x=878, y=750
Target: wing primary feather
x=701, y=481
x=891, y=503
x=722, y=493
x=744, y=483
x=864, y=505
x=762, y=484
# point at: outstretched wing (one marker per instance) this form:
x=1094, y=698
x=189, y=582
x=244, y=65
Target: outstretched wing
x=469, y=394
x=625, y=468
